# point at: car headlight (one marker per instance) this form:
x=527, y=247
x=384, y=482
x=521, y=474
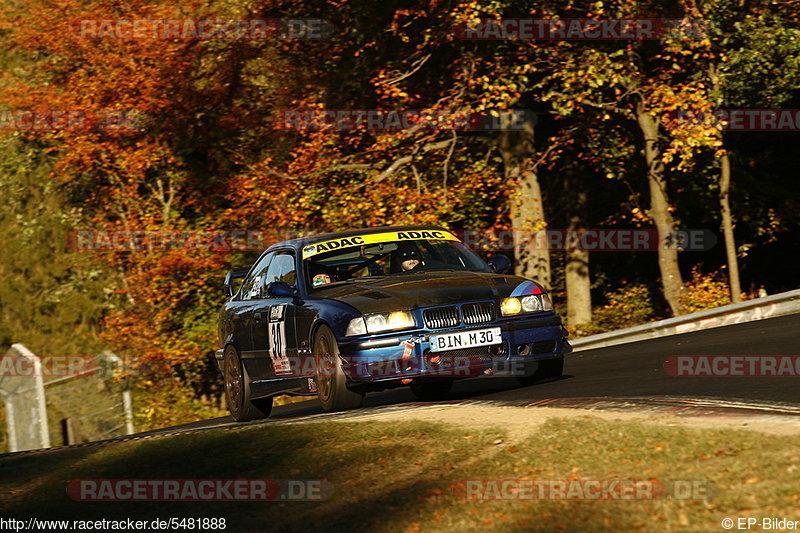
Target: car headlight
x=510, y=306
x=380, y=322
x=533, y=303
x=356, y=327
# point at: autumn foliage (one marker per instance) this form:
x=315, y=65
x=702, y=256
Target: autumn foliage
x=212, y=152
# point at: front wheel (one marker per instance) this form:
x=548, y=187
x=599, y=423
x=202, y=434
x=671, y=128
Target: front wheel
x=237, y=390
x=548, y=369
x=332, y=388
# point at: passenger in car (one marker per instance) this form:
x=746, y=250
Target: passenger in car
x=321, y=279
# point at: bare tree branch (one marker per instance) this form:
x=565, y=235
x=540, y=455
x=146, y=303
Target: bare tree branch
x=414, y=68
x=399, y=162
x=447, y=165
x=605, y=106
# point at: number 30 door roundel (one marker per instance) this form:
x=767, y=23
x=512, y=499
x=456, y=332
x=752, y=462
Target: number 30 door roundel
x=277, y=339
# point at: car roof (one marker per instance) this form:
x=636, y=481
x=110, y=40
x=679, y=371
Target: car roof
x=302, y=241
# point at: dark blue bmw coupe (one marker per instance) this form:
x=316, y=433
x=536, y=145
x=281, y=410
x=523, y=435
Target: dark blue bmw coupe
x=342, y=314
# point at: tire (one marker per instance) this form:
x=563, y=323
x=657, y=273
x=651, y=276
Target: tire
x=332, y=388
x=548, y=369
x=431, y=390
x=237, y=390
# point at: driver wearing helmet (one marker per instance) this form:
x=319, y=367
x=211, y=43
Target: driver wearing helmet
x=408, y=256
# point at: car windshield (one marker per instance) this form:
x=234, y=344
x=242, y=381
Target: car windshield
x=394, y=258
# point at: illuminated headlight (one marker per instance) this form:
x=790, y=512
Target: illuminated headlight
x=380, y=322
x=533, y=303
x=510, y=306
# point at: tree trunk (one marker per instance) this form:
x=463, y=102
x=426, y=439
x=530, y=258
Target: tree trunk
x=724, y=198
x=579, y=295
x=532, y=258
x=530, y=251
x=671, y=280
x=576, y=271
x=727, y=227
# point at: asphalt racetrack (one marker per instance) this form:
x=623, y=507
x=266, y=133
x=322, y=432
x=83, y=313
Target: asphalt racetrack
x=627, y=371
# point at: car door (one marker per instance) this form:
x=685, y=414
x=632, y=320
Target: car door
x=273, y=328
x=245, y=301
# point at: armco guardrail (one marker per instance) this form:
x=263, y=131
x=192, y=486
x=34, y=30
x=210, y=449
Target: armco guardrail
x=784, y=303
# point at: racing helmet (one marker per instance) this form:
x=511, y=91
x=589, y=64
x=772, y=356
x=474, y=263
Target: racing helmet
x=404, y=252
x=407, y=250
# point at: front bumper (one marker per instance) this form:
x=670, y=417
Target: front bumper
x=526, y=340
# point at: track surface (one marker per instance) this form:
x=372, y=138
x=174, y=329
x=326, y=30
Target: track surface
x=625, y=371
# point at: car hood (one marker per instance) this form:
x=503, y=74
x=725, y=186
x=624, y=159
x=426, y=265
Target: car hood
x=426, y=289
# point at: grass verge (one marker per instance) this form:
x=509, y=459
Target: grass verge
x=403, y=476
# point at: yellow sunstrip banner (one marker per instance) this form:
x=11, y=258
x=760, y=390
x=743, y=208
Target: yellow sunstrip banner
x=376, y=238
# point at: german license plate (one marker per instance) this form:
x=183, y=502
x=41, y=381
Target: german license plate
x=465, y=339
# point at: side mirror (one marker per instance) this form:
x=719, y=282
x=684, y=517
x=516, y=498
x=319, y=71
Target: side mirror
x=499, y=263
x=236, y=273
x=280, y=289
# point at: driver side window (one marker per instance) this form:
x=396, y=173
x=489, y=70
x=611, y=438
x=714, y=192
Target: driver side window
x=283, y=269
x=251, y=287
